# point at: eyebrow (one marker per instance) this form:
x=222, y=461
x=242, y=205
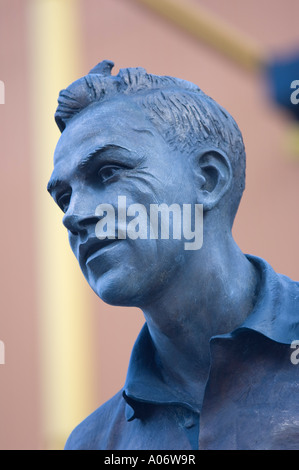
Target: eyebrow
x=53, y=184
x=96, y=153
x=56, y=182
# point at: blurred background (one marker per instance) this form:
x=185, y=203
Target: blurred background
x=66, y=352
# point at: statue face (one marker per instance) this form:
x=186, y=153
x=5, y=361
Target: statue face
x=112, y=153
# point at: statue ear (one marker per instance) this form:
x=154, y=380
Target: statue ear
x=213, y=173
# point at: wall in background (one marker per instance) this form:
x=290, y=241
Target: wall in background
x=267, y=223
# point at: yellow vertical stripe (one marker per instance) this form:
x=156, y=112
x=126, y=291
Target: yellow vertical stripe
x=66, y=353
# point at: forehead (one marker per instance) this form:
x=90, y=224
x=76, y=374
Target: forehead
x=120, y=122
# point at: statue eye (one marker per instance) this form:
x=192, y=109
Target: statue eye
x=108, y=172
x=63, y=201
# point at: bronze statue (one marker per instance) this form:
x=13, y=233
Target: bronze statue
x=149, y=172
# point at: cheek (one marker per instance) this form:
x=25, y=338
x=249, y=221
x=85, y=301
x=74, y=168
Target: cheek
x=143, y=187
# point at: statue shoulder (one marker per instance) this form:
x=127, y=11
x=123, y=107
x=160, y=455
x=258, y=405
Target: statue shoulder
x=94, y=431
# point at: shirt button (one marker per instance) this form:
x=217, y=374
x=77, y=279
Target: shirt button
x=188, y=422
x=129, y=412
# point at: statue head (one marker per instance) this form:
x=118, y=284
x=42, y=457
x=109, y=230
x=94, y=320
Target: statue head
x=141, y=139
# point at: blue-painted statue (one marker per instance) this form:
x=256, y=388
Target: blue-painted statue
x=149, y=172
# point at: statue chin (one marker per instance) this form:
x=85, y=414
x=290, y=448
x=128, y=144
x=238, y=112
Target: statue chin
x=115, y=287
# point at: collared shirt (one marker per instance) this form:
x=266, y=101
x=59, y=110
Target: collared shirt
x=251, y=398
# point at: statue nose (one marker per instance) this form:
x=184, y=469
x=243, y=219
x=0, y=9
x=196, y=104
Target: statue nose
x=79, y=224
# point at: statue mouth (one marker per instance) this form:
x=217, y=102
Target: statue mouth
x=90, y=249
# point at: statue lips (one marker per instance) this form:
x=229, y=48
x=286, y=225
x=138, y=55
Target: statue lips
x=90, y=249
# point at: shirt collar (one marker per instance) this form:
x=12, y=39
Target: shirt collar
x=275, y=316
x=145, y=383
x=276, y=312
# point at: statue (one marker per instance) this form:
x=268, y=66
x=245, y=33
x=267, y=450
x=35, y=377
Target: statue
x=149, y=172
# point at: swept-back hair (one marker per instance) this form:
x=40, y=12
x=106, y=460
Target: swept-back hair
x=185, y=116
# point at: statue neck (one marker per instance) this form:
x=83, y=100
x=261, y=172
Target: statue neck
x=213, y=295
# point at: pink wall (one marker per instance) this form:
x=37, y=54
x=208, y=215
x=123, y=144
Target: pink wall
x=19, y=379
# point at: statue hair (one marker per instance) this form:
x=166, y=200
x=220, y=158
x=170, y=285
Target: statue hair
x=185, y=116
